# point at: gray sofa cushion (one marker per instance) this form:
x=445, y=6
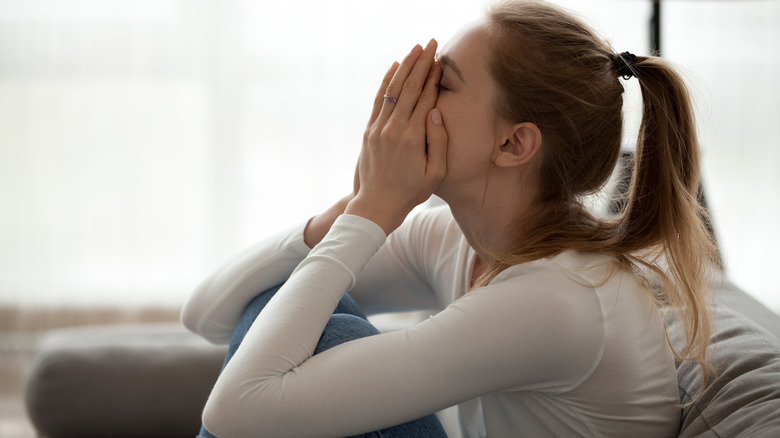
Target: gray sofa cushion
x=144, y=380
x=744, y=398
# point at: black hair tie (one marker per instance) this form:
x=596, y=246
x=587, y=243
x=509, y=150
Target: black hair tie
x=624, y=64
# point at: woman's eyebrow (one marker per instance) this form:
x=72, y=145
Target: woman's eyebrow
x=448, y=62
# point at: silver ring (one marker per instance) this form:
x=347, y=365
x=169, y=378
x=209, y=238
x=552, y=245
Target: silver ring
x=390, y=98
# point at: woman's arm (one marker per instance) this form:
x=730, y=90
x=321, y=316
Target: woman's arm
x=416, y=268
x=216, y=304
x=394, y=279
x=487, y=341
x=319, y=225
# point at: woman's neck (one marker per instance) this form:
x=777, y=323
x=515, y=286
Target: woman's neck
x=492, y=223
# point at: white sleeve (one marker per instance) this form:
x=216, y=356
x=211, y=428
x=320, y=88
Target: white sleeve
x=485, y=342
x=215, y=306
x=399, y=276
x=391, y=281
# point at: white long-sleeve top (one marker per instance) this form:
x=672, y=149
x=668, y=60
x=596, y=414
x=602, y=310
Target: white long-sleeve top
x=555, y=347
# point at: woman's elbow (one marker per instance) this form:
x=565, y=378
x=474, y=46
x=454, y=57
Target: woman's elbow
x=217, y=417
x=190, y=316
x=194, y=316
x=226, y=416
x=211, y=422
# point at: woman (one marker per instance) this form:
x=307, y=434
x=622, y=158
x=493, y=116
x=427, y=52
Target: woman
x=549, y=320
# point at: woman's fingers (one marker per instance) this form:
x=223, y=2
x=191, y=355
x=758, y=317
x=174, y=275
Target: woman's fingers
x=380, y=99
x=436, y=139
x=396, y=84
x=413, y=84
x=428, y=96
x=404, y=88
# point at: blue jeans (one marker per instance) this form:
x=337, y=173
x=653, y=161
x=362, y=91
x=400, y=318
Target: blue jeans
x=347, y=323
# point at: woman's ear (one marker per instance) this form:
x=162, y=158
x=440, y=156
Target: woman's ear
x=520, y=146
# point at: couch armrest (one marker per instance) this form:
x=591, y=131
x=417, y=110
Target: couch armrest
x=141, y=380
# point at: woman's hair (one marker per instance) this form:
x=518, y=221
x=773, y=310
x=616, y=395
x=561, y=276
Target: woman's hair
x=554, y=71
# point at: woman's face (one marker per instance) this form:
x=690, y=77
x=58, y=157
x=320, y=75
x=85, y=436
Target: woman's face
x=466, y=104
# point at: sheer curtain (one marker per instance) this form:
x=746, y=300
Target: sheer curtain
x=143, y=142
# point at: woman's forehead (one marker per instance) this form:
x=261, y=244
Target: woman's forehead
x=472, y=33
x=467, y=50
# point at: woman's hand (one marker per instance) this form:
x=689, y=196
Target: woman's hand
x=403, y=159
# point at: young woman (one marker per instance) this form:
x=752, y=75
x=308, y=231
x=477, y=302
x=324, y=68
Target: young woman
x=548, y=318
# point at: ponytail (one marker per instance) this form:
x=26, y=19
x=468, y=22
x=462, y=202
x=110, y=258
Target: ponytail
x=663, y=219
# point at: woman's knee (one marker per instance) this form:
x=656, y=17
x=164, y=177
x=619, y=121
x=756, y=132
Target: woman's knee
x=342, y=328
x=349, y=306
x=257, y=304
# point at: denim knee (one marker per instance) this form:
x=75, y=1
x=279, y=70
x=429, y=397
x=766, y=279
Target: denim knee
x=342, y=328
x=349, y=306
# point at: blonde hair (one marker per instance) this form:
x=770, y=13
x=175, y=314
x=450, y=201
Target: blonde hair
x=553, y=70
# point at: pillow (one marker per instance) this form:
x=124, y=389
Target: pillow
x=743, y=400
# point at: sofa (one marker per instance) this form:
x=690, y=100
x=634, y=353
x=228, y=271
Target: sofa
x=152, y=380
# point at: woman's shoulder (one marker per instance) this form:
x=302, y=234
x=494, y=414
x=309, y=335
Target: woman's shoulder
x=585, y=269
x=583, y=279
x=573, y=282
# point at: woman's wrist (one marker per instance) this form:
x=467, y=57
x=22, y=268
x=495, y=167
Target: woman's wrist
x=388, y=219
x=319, y=225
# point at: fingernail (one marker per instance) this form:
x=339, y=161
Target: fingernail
x=436, y=116
x=430, y=44
x=416, y=49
